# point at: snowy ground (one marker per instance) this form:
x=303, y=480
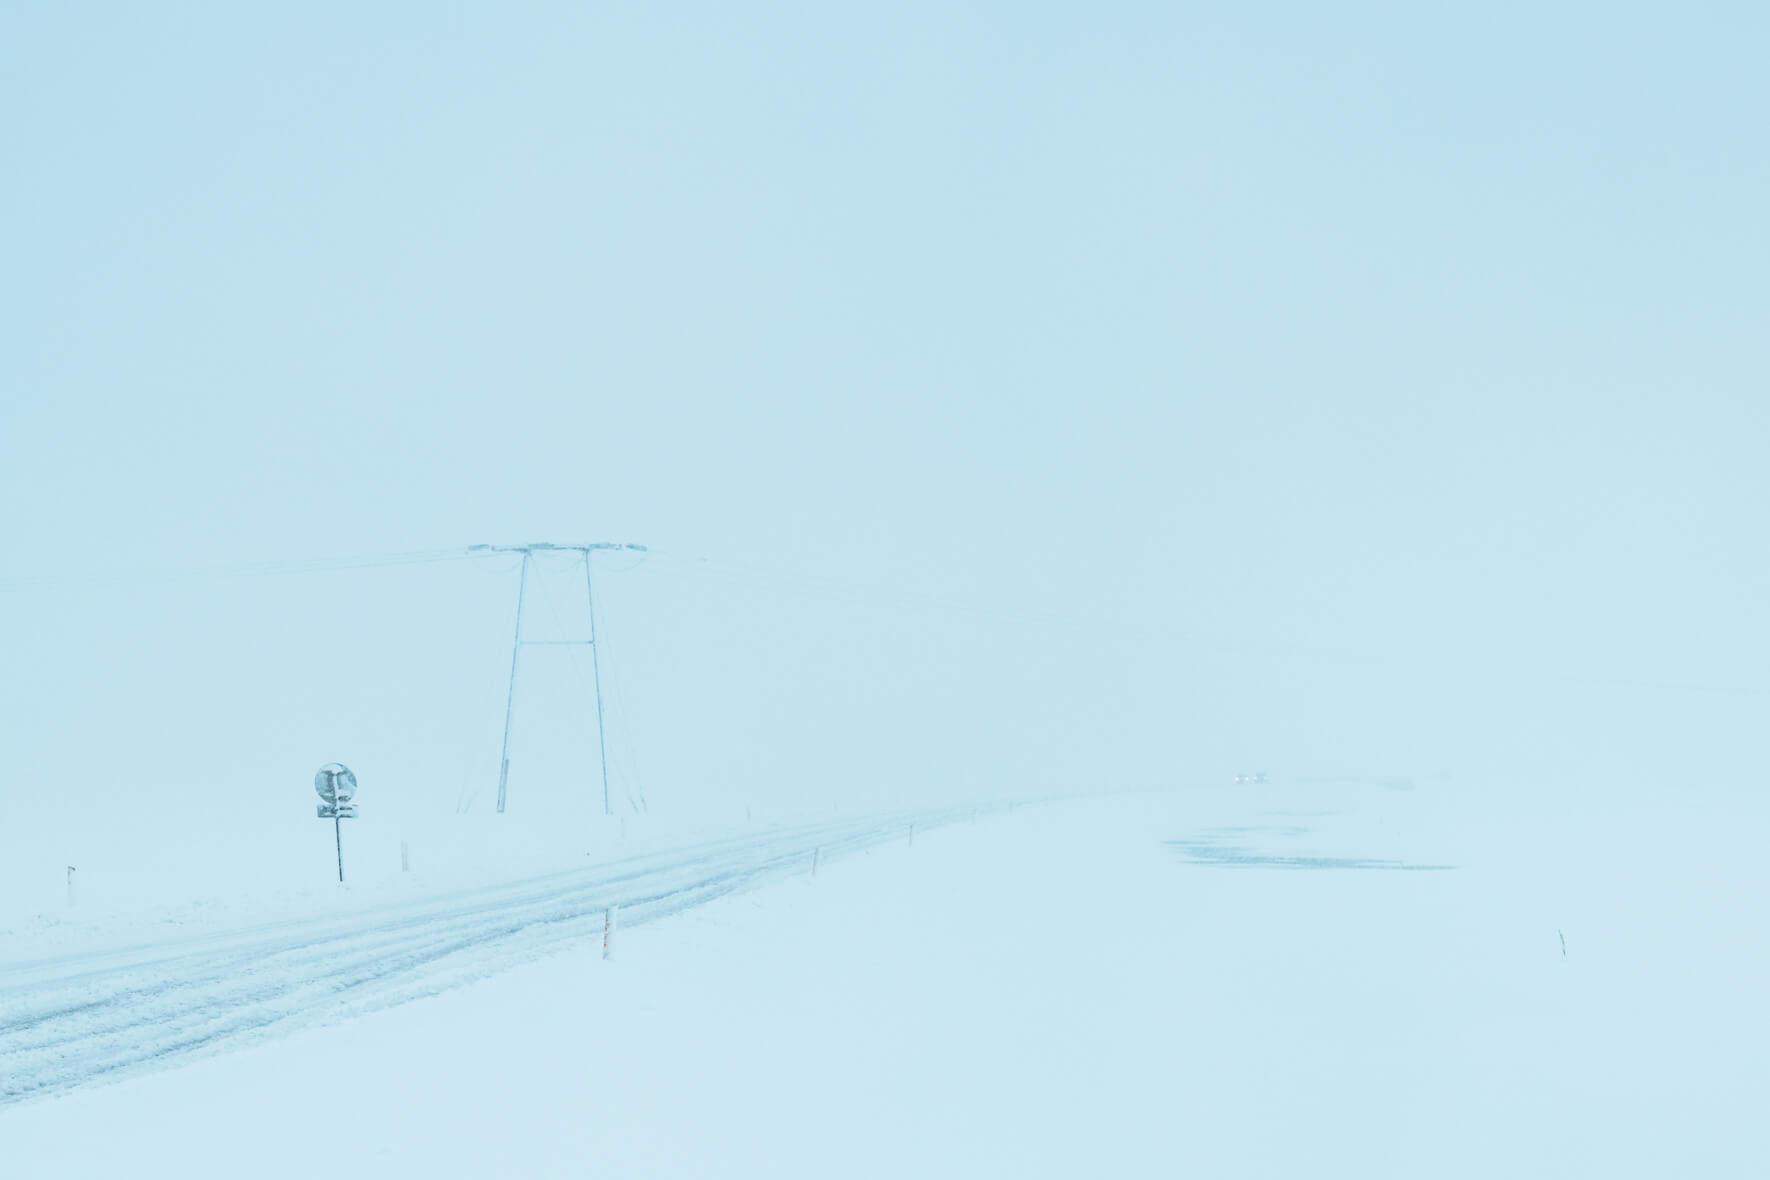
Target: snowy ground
x=1306, y=979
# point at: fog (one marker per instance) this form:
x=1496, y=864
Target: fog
x=1014, y=400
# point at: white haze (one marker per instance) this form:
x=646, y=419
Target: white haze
x=1015, y=401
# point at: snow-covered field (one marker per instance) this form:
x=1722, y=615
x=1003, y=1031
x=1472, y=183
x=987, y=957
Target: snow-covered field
x=1329, y=979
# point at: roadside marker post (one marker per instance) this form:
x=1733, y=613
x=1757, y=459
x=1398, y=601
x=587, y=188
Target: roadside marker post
x=608, y=931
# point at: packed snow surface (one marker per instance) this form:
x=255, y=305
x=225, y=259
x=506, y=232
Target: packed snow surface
x=1326, y=980
x=92, y=1016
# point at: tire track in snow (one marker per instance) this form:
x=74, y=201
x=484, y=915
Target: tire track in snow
x=103, y=1016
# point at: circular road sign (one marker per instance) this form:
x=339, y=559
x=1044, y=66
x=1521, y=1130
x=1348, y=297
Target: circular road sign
x=335, y=783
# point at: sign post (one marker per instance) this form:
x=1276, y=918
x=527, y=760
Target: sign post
x=336, y=786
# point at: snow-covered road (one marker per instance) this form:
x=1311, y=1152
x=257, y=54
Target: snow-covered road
x=1246, y=982
x=75, y=1019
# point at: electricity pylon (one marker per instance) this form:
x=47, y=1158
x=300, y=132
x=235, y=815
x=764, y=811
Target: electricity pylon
x=519, y=643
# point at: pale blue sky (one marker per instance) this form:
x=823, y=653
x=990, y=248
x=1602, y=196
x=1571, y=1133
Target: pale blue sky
x=1367, y=386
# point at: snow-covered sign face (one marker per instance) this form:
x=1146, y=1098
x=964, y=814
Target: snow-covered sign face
x=335, y=783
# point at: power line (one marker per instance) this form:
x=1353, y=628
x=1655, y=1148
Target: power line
x=196, y=571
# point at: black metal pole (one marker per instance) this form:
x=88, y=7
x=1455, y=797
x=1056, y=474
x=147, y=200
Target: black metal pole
x=338, y=839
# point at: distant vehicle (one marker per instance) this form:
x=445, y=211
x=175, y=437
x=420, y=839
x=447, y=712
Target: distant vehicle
x=1256, y=779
